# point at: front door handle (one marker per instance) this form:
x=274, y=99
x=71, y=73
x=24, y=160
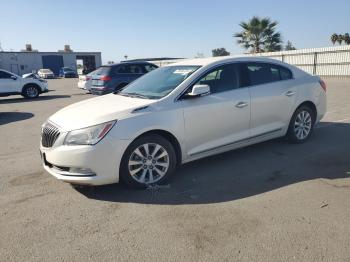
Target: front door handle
x=241, y=104
x=290, y=93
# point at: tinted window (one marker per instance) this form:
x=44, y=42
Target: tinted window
x=149, y=68
x=4, y=75
x=103, y=70
x=129, y=69
x=221, y=79
x=261, y=73
x=285, y=74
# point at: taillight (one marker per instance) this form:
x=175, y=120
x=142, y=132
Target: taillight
x=87, y=78
x=105, y=78
x=323, y=85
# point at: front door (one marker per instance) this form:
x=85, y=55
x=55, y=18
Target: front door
x=221, y=118
x=7, y=83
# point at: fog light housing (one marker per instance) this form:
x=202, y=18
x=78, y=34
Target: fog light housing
x=81, y=171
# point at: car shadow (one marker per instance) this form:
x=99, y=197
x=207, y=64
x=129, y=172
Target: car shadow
x=40, y=98
x=9, y=117
x=245, y=172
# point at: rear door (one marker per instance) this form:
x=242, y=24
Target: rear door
x=273, y=96
x=136, y=71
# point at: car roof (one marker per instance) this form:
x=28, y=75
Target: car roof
x=213, y=60
x=126, y=62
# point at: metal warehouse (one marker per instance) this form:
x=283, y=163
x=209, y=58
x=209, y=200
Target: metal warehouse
x=28, y=60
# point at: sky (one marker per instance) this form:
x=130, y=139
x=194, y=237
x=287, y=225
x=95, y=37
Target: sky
x=161, y=28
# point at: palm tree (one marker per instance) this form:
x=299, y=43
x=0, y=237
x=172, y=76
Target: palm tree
x=259, y=35
x=334, y=38
x=346, y=38
x=340, y=39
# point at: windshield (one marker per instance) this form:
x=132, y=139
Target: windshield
x=159, y=83
x=67, y=69
x=46, y=71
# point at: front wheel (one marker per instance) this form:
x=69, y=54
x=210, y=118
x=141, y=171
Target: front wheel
x=31, y=91
x=148, y=160
x=301, y=125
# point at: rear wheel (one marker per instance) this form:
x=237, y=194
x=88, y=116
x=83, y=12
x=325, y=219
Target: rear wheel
x=148, y=160
x=301, y=125
x=31, y=91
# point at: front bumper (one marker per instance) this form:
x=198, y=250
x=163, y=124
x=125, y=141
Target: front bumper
x=103, y=159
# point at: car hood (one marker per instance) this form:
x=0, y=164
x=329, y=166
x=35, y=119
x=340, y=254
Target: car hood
x=97, y=110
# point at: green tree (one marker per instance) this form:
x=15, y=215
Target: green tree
x=347, y=38
x=289, y=46
x=220, y=52
x=334, y=38
x=340, y=39
x=259, y=35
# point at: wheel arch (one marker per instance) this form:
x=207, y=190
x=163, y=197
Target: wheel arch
x=309, y=104
x=170, y=137
x=32, y=84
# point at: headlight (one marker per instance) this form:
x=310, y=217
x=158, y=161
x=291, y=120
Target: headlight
x=89, y=135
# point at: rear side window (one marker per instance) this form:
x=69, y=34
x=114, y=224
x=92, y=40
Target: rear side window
x=103, y=70
x=285, y=73
x=130, y=69
x=4, y=75
x=149, y=68
x=262, y=73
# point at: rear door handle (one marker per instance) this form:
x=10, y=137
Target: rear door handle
x=290, y=93
x=241, y=104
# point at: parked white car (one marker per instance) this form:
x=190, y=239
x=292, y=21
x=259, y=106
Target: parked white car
x=46, y=73
x=177, y=114
x=12, y=84
x=84, y=82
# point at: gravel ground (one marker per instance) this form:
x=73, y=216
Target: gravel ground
x=269, y=202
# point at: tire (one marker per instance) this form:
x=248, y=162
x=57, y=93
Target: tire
x=31, y=91
x=139, y=169
x=301, y=125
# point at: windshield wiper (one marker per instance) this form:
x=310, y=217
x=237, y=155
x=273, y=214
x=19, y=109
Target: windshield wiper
x=134, y=95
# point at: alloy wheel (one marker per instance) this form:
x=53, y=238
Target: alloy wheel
x=148, y=163
x=32, y=91
x=303, y=125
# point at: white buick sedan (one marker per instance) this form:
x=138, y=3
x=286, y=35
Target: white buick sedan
x=177, y=114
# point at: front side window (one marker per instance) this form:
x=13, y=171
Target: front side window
x=159, y=82
x=262, y=73
x=221, y=79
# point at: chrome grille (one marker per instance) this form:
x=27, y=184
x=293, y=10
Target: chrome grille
x=49, y=135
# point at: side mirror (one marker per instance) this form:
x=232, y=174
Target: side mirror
x=13, y=77
x=199, y=90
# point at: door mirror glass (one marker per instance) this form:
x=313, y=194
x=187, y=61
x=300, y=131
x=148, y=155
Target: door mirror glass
x=199, y=90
